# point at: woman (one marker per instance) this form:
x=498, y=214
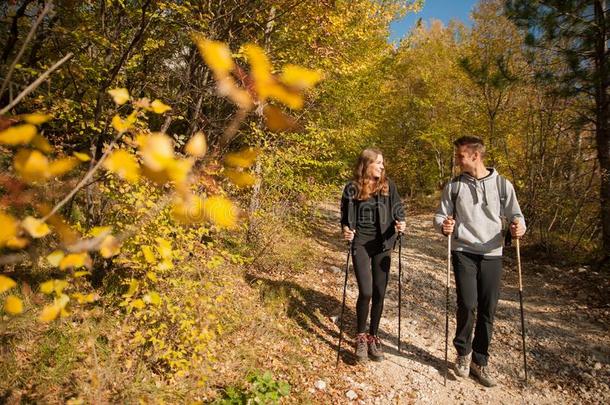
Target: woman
x=371, y=217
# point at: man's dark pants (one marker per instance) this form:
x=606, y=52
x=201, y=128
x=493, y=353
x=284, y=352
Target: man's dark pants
x=477, y=280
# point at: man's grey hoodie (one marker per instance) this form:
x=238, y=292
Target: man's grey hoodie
x=478, y=227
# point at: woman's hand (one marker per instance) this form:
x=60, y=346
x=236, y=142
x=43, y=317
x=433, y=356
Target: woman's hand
x=348, y=234
x=401, y=226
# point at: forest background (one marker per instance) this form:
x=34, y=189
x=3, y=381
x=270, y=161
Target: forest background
x=147, y=242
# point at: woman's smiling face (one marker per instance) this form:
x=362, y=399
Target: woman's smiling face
x=376, y=168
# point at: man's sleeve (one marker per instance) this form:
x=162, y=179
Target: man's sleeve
x=512, y=209
x=444, y=210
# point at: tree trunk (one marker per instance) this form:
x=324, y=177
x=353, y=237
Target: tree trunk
x=602, y=132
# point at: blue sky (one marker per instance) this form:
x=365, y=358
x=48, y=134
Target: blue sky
x=443, y=10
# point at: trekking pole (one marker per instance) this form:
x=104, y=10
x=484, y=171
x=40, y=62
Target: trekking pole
x=399, y=284
x=447, y=306
x=521, y=306
x=349, y=251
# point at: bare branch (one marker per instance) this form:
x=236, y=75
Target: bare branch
x=36, y=83
x=7, y=78
x=85, y=179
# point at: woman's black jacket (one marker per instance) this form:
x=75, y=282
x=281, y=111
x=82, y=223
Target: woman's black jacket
x=389, y=210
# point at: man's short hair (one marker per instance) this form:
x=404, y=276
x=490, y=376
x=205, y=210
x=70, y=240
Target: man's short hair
x=472, y=142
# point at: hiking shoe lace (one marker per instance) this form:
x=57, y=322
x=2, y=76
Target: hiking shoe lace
x=361, y=347
x=483, y=374
x=462, y=365
x=375, y=348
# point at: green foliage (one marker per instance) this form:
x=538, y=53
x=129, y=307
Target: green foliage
x=262, y=389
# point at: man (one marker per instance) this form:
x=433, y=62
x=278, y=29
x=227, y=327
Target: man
x=473, y=208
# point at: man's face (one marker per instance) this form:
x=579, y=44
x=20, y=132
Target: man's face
x=466, y=158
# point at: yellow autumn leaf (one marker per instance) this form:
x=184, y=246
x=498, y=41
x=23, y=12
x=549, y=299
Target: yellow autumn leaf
x=61, y=166
x=220, y=211
x=281, y=93
x=187, y=209
x=8, y=228
x=49, y=313
x=152, y=276
x=244, y=158
x=40, y=142
x=240, y=178
x=6, y=283
x=120, y=95
x=124, y=164
x=75, y=260
x=31, y=165
x=55, y=257
x=122, y=125
x=138, y=304
x=50, y=286
x=133, y=287
x=100, y=231
x=164, y=247
x=197, y=146
x=110, y=247
x=158, y=107
x=226, y=87
x=35, y=227
x=216, y=55
x=62, y=299
x=166, y=264
x=178, y=170
x=152, y=298
x=83, y=157
x=47, y=287
x=261, y=68
x=157, y=150
x=13, y=305
x=18, y=134
x=149, y=256
x=300, y=77
x=36, y=118
x=276, y=120
x=160, y=177
x=84, y=299
x=17, y=243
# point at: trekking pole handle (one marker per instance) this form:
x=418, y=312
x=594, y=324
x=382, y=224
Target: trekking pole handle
x=517, y=239
x=449, y=217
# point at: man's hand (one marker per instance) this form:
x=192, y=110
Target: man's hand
x=517, y=229
x=400, y=226
x=348, y=234
x=448, y=225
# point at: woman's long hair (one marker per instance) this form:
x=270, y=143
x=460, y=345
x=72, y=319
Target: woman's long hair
x=368, y=185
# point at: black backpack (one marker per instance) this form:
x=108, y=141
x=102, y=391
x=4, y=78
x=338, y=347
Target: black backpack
x=501, y=186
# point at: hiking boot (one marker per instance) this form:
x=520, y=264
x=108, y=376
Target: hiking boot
x=483, y=374
x=375, y=348
x=462, y=365
x=361, y=348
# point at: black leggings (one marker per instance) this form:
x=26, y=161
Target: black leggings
x=372, y=268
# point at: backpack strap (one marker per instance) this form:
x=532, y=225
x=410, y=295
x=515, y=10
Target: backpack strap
x=455, y=191
x=501, y=185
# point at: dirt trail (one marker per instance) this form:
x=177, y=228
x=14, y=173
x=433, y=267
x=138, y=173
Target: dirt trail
x=567, y=316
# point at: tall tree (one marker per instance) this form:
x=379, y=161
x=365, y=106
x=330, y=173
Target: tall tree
x=578, y=30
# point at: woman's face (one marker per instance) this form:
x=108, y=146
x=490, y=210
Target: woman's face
x=376, y=168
